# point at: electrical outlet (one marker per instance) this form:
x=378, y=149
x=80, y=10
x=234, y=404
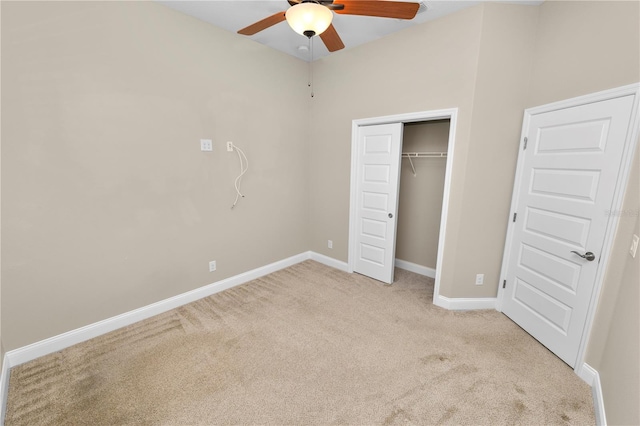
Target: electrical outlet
x=212, y=266
x=634, y=246
x=330, y=244
x=206, y=145
x=479, y=279
x=229, y=146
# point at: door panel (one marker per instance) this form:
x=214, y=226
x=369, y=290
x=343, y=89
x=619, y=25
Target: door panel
x=567, y=179
x=565, y=184
x=557, y=274
x=548, y=309
x=557, y=226
x=377, y=199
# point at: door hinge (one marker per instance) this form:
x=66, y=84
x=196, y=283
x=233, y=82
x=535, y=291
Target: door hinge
x=514, y=216
x=525, y=143
x=504, y=283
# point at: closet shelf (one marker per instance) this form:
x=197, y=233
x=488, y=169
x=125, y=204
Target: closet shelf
x=424, y=154
x=410, y=155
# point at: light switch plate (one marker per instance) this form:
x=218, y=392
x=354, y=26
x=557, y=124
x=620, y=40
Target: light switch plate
x=634, y=246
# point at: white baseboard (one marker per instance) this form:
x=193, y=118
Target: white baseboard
x=70, y=338
x=329, y=261
x=598, y=402
x=455, y=304
x=586, y=373
x=414, y=267
x=465, y=304
x=62, y=341
x=4, y=388
x=591, y=376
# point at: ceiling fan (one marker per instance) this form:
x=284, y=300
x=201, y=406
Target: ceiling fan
x=313, y=17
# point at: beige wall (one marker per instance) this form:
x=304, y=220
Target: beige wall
x=426, y=67
x=584, y=47
x=420, y=199
x=477, y=60
x=108, y=204
x=507, y=42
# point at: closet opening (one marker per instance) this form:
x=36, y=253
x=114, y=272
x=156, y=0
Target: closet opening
x=422, y=176
x=399, y=205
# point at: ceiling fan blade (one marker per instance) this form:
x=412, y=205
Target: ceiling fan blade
x=331, y=39
x=263, y=24
x=379, y=8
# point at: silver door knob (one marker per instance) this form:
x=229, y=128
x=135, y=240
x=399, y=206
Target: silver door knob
x=588, y=255
x=390, y=215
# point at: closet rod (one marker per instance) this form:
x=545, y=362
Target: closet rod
x=422, y=155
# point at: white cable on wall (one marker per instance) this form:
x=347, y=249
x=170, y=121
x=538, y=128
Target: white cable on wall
x=244, y=166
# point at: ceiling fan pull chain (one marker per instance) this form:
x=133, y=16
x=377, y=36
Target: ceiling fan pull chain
x=311, y=65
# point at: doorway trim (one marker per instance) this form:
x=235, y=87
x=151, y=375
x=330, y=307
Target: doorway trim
x=450, y=114
x=581, y=368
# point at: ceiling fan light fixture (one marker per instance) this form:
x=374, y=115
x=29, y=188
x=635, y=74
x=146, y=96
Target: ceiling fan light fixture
x=309, y=18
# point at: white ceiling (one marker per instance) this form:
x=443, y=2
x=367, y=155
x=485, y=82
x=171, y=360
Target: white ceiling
x=233, y=15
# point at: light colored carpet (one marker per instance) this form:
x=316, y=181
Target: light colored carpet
x=305, y=345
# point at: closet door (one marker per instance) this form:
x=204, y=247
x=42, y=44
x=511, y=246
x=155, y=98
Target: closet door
x=377, y=184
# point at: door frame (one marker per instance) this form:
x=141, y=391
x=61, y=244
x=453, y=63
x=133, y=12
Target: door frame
x=450, y=114
x=612, y=221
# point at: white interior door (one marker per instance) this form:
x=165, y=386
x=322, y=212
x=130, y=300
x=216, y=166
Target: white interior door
x=565, y=185
x=377, y=182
